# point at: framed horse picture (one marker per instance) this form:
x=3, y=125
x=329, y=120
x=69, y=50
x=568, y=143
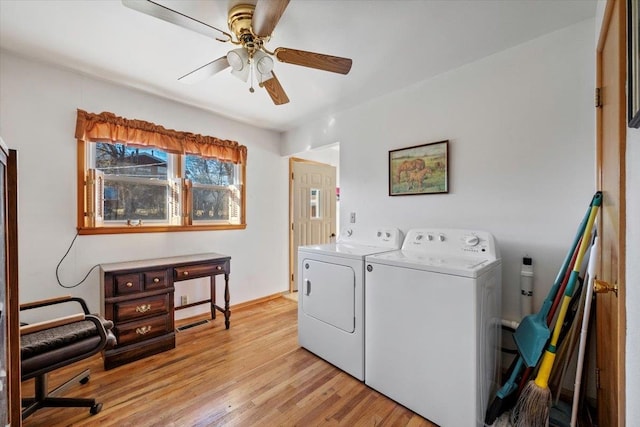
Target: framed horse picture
x=421, y=169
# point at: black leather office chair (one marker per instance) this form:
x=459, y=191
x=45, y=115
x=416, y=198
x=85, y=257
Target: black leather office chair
x=50, y=345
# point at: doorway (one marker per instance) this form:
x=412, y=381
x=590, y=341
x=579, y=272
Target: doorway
x=313, y=201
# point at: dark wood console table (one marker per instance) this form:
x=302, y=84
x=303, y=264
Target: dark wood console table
x=138, y=298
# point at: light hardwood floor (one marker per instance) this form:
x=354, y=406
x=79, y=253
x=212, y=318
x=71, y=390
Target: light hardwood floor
x=253, y=374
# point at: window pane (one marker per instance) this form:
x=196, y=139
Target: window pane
x=201, y=170
x=314, y=203
x=210, y=204
x=118, y=159
x=125, y=200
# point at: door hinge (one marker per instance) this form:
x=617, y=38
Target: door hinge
x=292, y=277
x=597, y=378
x=291, y=226
x=291, y=176
x=598, y=98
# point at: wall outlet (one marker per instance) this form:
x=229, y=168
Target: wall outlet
x=184, y=300
x=353, y=218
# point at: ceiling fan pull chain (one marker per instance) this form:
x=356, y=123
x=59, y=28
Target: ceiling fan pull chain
x=251, y=89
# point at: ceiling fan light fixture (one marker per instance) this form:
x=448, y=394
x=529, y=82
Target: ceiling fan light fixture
x=238, y=59
x=263, y=63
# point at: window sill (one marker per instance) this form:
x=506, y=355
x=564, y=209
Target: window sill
x=85, y=231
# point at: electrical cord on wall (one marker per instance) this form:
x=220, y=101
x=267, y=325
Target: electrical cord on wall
x=62, y=259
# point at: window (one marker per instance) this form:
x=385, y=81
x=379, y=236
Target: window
x=214, y=189
x=136, y=183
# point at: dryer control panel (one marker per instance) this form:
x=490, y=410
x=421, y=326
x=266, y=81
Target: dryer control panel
x=451, y=242
x=385, y=237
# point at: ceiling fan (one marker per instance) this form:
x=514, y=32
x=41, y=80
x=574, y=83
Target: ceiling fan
x=251, y=27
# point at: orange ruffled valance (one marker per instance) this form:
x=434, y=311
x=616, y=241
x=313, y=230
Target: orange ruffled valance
x=107, y=127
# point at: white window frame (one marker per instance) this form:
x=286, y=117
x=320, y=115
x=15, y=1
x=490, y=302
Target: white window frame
x=179, y=209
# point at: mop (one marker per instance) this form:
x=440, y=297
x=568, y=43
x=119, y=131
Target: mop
x=532, y=407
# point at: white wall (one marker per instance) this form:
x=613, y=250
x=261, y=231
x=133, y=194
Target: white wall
x=520, y=126
x=38, y=109
x=633, y=276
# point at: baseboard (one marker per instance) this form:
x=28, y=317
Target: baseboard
x=239, y=306
x=256, y=301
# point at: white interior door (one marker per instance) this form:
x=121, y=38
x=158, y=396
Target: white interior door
x=313, y=207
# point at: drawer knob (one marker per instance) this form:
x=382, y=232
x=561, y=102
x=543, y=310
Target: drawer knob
x=129, y=284
x=186, y=273
x=219, y=267
x=143, y=330
x=143, y=308
x=156, y=280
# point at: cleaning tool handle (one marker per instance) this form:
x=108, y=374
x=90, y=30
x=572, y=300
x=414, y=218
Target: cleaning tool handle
x=591, y=271
x=560, y=293
x=544, y=372
x=596, y=200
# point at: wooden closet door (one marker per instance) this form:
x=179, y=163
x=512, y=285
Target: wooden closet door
x=611, y=172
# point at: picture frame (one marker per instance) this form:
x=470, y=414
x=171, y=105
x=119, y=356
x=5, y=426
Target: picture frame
x=420, y=169
x=633, y=62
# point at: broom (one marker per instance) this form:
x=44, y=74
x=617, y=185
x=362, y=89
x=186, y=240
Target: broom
x=532, y=407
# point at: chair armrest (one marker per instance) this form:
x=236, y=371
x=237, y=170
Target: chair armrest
x=53, y=301
x=47, y=324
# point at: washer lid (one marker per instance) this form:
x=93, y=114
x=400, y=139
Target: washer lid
x=346, y=250
x=457, y=266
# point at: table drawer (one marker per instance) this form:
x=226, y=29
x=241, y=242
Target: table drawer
x=155, y=279
x=127, y=284
x=142, y=307
x=187, y=272
x=140, y=330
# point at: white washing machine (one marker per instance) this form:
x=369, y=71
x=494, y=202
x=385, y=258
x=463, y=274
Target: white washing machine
x=432, y=310
x=331, y=295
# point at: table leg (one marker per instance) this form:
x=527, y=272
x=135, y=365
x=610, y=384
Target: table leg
x=213, y=296
x=227, y=312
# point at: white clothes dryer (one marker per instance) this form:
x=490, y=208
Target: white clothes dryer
x=432, y=311
x=331, y=295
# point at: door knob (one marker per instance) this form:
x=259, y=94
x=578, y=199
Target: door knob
x=602, y=287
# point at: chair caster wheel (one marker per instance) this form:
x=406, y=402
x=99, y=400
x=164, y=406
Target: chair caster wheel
x=95, y=408
x=84, y=380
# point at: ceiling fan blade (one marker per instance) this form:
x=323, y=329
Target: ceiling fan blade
x=320, y=61
x=275, y=90
x=205, y=71
x=266, y=16
x=162, y=12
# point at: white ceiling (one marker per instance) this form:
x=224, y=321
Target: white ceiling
x=393, y=44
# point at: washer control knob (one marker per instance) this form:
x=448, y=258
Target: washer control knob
x=419, y=237
x=429, y=237
x=379, y=233
x=471, y=240
x=441, y=237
